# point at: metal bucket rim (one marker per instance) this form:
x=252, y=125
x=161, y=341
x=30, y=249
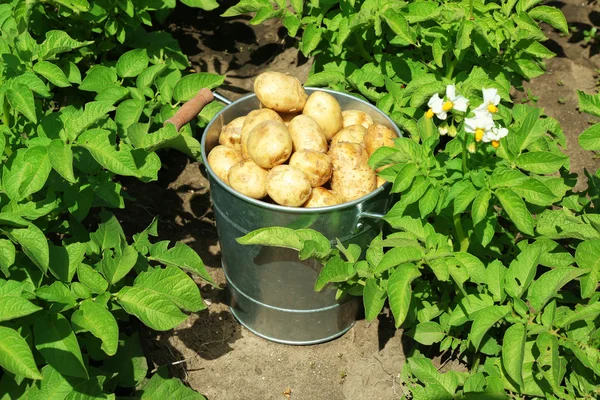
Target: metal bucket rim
x=277, y=207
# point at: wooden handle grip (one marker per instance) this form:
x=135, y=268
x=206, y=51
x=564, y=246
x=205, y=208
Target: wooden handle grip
x=191, y=109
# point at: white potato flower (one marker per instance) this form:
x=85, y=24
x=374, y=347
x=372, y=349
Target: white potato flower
x=440, y=107
x=479, y=125
x=494, y=135
x=491, y=99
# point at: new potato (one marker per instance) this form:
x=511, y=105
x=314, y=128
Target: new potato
x=254, y=118
x=269, y=144
x=321, y=197
x=280, y=92
x=326, y=110
x=222, y=158
x=307, y=134
x=316, y=165
x=352, y=177
x=288, y=186
x=378, y=136
x=350, y=134
x=248, y=178
x=231, y=133
x=355, y=117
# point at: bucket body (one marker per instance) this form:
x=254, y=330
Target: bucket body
x=271, y=291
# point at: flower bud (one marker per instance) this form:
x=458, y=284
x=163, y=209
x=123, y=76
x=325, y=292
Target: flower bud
x=452, y=131
x=472, y=148
x=443, y=129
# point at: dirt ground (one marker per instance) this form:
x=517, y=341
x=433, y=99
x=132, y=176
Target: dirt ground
x=211, y=350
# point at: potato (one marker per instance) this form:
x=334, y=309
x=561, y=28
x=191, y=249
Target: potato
x=288, y=117
x=252, y=119
x=222, y=158
x=280, y=92
x=350, y=134
x=316, y=165
x=321, y=197
x=307, y=134
x=355, y=117
x=248, y=178
x=378, y=136
x=288, y=186
x=231, y=133
x=326, y=110
x=269, y=144
x=352, y=177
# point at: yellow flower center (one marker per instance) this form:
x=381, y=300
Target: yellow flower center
x=495, y=144
x=492, y=108
x=447, y=106
x=478, y=134
x=429, y=114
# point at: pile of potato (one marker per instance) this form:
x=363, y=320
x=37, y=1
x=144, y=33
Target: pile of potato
x=299, y=150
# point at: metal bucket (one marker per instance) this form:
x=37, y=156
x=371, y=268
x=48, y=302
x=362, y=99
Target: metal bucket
x=271, y=291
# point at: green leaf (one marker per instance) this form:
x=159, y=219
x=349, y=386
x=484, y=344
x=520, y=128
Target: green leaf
x=53, y=386
x=397, y=256
x=12, y=307
x=522, y=270
x=128, y=113
x=516, y=140
x=206, y=5
x=61, y=159
x=400, y=291
x=540, y=162
x=7, y=254
x=59, y=294
x=480, y=206
x=97, y=142
x=590, y=138
x=404, y=178
x=535, y=192
x=173, y=283
x=548, y=359
x=15, y=354
x=399, y=25
x=109, y=234
x=132, y=63
x=424, y=370
x=21, y=99
x=552, y=16
x=98, y=78
x=93, y=112
x=157, y=311
x=34, y=244
x=580, y=313
x=429, y=201
x=56, y=342
x=335, y=270
x=468, y=308
x=374, y=298
x=588, y=103
x=473, y=265
x=549, y=284
x=484, y=321
x=190, y=85
x=325, y=78
x=516, y=209
x=160, y=388
x=65, y=259
x=502, y=177
x=94, y=318
x=463, y=37
x=184, y=257
x=311, y=37
x=91, y=279
x=147, y=76
x=427, y=333
x=57, y=42
x=513, y=352
x=129, y=364
x=464, y=198
x=116, y=268
x=494, y=278
x=587, y=256
x=52, y=73
x=72, y=72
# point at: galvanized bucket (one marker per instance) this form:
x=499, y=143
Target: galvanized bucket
x=271, y=291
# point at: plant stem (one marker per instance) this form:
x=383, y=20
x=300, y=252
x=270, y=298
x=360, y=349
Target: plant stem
x=460, y=233
x=471, y=9
x=476, y=362
x=464, y=156
x=451, y=64
x=6, y=114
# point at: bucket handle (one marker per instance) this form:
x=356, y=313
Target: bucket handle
x=191, y=108
x=367, y=214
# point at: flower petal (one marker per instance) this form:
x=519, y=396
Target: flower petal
x=451, y=92
x=461, y=103
x=441, y=115
x=434, y=100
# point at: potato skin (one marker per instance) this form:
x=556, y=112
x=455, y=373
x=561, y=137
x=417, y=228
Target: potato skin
x=378, y=136
x=307, y=134
x=288, y=186
x=352, y=177
x=321, y=197
x=280, y=92
x=248, y=178
x=288, y=117
x=269, y=144
x=231, y=133
x=350, y=134
x=326, y=110
x=355, y=117
x=222, y=158
x=254, y=118
x=316, y=165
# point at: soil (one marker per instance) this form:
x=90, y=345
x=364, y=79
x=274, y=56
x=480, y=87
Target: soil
x=211, y=351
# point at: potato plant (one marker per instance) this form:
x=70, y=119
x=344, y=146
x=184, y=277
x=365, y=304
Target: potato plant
x=71, y=283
